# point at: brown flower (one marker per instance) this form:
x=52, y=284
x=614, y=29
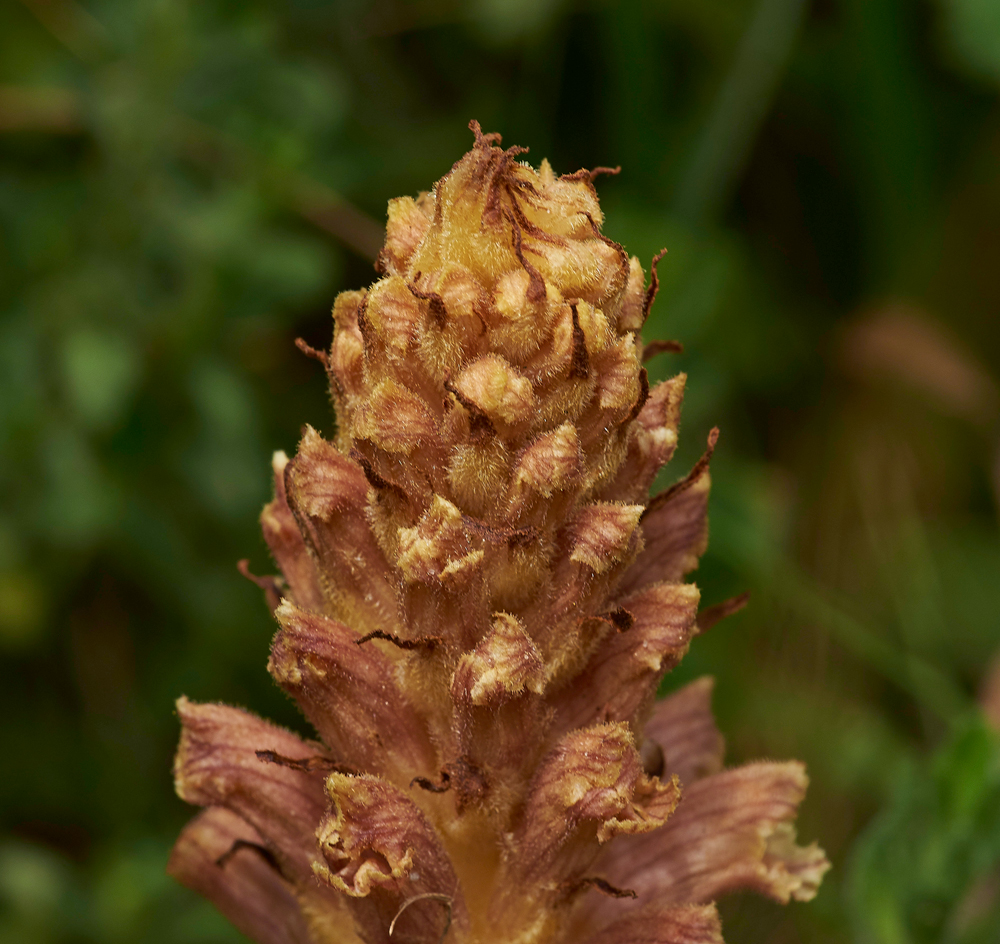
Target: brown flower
x=476, y=607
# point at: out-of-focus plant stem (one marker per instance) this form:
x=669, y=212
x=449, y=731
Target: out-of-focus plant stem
x=920, y=679
x=740, y=107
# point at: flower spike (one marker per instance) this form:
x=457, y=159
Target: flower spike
x=477, y=603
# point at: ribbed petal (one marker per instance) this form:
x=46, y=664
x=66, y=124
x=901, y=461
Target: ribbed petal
x=594, y=547
x=347, y=357
x=500, y=720
x=652, y=439
x=328, y=495
x=731, y=831
x=675, y=529
x=217, y=765
x=504, y=665
x=588, y=789
x=692, y=924
x=405, y=228
x=239, y=880
x=287, y=547
x=396, y=419
x=683, y=727
x=443, y=591
x=380, y=850
x=549, y=464
x=348, y=692
x=652, y=632
x=601, y=534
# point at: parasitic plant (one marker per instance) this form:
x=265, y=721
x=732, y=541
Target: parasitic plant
x=477, y=604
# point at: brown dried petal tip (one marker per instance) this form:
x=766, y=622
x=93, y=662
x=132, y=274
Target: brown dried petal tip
x=477, y=602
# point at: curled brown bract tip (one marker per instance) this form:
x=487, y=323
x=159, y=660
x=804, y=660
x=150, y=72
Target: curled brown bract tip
x=589, y=175
x=484, y=140
x=256, y=847
x=650, y=350
x=479, y=423
x=423, y=642
x=435, y=304
x=425, y=783
x=654, y=284
x=711, y=615
x=313, y=353
x=270, y=585
x=536, y=288
x=514, y=537
x=580, y=365
x=603, y=886
x=307, y=765
x=643, y=397
x=697, y=471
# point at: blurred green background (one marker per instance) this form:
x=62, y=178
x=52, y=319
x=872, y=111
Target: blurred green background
x=185, y=186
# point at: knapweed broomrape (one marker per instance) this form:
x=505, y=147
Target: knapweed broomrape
x=477, y=604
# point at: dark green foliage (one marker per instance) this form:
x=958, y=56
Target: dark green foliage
x=826, y=177
x=925, y=869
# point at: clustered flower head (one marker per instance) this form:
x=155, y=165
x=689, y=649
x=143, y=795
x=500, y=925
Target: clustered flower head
x=477, y=604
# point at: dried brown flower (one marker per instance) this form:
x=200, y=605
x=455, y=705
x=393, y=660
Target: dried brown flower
x=477, y=605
